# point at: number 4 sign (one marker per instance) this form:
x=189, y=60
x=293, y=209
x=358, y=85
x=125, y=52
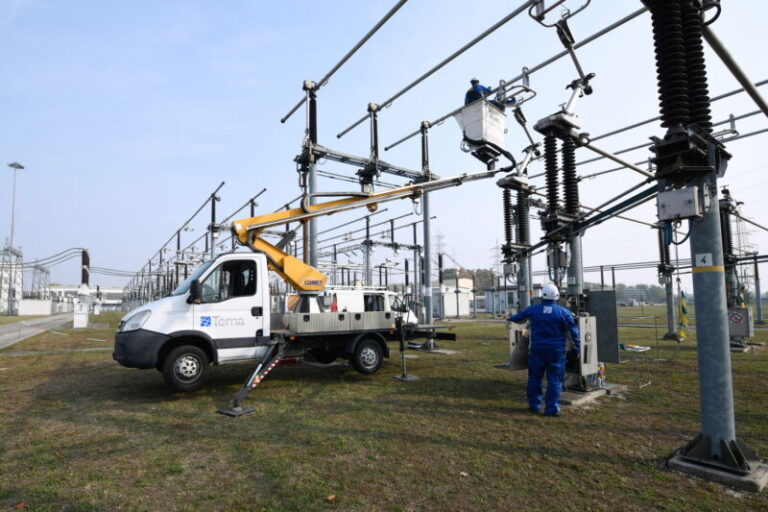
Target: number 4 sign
x=703, y=260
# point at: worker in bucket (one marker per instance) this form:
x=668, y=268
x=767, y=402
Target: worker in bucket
x=549, y=323
x=477, y=91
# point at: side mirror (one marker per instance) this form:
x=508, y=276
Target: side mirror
x=195, y=292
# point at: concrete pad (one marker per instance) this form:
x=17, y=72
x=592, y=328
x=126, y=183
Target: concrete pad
x=753, y=482
x=442, y=351
x=581, y=397
x=615, y=389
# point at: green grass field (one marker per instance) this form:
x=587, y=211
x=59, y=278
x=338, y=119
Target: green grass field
x=78, y=432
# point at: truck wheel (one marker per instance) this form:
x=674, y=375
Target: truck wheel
x=368, y=357
x=185, y=368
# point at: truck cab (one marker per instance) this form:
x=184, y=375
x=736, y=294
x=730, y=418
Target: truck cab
x=229, y=322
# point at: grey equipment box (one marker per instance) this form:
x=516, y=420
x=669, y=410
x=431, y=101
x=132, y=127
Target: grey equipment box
x=740, y=323
x=680, y=203
x=602, y=304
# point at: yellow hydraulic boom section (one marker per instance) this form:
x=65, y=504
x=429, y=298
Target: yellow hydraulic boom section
x=297, y=273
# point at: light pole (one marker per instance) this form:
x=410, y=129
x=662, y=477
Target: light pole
x=11, y=290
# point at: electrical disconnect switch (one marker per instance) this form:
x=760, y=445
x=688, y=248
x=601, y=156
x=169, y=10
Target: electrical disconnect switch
x=678, y=204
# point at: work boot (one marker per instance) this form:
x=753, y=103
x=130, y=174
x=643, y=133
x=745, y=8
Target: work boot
x=553, y=414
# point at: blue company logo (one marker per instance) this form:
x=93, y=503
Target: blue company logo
x=205, y=321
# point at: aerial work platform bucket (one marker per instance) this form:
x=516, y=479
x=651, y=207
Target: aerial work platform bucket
x=482, y=123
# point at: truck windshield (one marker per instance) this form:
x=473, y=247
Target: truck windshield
x=184, y=287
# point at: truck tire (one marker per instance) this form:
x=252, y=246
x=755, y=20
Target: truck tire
x=185, y=368
x=368, y=356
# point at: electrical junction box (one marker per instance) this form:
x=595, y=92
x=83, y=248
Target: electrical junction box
x=557, y=257
x=740, y=323
x=510, y=269
x=482, y=122
x=588, y=357
x=681, y=203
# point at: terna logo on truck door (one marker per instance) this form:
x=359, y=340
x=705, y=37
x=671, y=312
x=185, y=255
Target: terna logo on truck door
x=221, y=321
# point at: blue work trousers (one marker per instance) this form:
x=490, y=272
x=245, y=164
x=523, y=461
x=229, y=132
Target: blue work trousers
x=551, y=361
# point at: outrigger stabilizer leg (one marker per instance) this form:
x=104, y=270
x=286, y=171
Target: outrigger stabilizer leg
x=264, y=367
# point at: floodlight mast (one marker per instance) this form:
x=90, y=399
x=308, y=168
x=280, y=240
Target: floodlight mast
x=302, y=276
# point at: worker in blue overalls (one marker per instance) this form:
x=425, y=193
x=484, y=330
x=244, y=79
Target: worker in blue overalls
x=549, y=323
x=477, y=91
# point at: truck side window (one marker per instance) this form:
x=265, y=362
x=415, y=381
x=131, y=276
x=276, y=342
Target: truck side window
x=395, y=304
x=230, y=279
x=373, y=302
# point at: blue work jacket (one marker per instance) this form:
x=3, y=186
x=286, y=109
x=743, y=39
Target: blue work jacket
x=549, y=323
x=475, y=93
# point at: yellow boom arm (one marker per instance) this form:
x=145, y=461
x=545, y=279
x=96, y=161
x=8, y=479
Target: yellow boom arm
x=297, y=273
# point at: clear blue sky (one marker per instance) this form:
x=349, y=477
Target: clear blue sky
x=127, y=114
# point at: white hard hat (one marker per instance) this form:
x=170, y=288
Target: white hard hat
x=550, y=292
x=474, y=79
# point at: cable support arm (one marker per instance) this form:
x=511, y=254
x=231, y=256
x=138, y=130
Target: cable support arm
x=359, y=161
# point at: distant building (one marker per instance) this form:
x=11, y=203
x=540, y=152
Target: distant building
x=501, y=301
x=64, y=297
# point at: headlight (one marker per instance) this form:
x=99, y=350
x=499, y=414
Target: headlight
x=136, y=321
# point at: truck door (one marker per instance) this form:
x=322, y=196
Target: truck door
x=231, y=311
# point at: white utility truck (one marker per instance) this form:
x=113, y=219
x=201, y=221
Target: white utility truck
x=222, y=313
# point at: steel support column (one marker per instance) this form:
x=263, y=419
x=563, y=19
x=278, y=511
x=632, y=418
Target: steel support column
x=576, y=268
x=427, y=236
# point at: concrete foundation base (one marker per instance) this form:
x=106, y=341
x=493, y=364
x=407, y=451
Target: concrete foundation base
x=615, y=389
x=753, y=482
x=581, y=397
x=585, y=397
x=740, y=349
x=443, y=351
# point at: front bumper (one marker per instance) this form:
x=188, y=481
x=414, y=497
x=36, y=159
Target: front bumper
x=138, y=349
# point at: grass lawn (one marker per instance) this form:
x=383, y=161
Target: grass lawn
x=79, y=432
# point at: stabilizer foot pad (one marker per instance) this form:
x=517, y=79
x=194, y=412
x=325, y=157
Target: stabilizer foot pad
x=235, y=411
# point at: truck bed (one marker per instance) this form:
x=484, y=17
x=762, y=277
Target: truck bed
x=313, y=324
